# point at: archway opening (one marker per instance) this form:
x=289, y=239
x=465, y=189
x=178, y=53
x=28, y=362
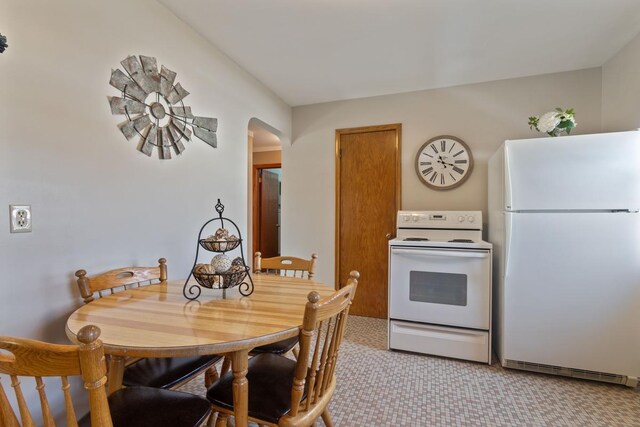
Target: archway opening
x=265, y=189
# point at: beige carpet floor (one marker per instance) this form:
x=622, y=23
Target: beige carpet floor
x=377, y=387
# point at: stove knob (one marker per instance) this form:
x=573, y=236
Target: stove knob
x=460, y=218
x=415, y=218
x=405, y=218
x=471, y=219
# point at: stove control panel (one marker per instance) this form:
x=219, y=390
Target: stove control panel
x=440, y=219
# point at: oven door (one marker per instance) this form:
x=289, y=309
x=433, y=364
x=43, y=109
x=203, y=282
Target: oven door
x=442, y=286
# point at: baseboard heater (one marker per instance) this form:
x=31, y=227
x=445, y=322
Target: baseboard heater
x=570, y=372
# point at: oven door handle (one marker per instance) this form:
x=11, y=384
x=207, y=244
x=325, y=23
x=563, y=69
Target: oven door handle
x=429, y=252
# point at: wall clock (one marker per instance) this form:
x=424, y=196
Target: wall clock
x=152, y=103
x=444, y=162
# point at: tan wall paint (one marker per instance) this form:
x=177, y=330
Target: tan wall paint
x=621, y=89
x=483, y=115
x=265, y=157
x=97, y=202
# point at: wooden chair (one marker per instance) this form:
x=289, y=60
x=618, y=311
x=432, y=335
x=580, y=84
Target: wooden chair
x=283, y=266
x=284, y=392
x=28, y=358
x=167, y=373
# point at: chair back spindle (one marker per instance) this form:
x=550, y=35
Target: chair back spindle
x=7, y=416
x=29, y=358
x=68, y=403
x=47, y=417
x=25, y=415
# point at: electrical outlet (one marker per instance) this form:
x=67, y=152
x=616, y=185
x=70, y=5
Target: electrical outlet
x=20, y=218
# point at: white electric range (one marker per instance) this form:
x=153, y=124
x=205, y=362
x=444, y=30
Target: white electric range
x=440, y=285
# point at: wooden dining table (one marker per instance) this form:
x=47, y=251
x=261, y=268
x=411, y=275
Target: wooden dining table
x=158, y=321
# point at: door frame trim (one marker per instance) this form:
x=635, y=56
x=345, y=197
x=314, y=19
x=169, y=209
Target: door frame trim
x=365, y=129
x=256, y=201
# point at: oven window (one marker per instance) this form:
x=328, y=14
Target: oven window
x=438, y=288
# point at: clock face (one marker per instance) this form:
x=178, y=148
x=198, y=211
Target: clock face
x=444, y=162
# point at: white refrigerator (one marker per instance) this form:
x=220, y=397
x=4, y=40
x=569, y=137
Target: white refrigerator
x=564, y=222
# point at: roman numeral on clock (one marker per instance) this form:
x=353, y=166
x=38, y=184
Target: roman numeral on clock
x=427, y=171
x=460, y=161
x=433, y=147
x=458, y=153
x=442, y=179
x=443, y=145
x=457, y=169
x=424, y=163
x=433, y=177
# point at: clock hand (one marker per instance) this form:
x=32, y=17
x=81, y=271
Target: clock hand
x=443, y=162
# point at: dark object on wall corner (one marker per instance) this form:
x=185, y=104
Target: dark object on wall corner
x=3, y=43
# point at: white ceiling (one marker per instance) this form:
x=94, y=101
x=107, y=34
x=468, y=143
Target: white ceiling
x=316, y=51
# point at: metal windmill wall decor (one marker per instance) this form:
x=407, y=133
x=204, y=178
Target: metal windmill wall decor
x=153, y=104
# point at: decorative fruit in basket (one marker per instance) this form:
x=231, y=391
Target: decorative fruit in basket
x=234, y=275
x=221, y=241
x=203, y=269
x=205, y=276
x=237, y=261
x=237, y=268
x=221, y=234
x=220, y=263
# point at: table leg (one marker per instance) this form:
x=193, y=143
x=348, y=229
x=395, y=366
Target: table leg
x=239, y=364
x=115, y=374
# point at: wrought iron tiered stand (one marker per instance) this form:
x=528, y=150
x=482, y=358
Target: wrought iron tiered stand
x=236, y=276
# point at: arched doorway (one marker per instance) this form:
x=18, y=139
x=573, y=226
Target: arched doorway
x=265, y=189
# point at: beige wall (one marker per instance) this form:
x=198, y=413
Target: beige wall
x=621, y=89
x=97, y=202
x=267, y=157
x=483, y=115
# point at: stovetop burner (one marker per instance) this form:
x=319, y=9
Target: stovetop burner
x=461, y=241
x=415, y=239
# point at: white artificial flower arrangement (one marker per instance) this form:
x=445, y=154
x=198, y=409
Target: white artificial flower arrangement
x=555, y=122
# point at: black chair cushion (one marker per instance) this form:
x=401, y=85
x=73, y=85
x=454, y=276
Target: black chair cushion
x=154, y=407
x=280, y=347
x=270, y=379
x=165, y=372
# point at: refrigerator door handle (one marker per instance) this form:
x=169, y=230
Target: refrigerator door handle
x=508, y=229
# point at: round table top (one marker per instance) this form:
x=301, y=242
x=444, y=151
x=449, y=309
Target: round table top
x=158, y=321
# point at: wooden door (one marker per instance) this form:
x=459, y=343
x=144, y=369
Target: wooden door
x=367, y=201
x=266, y=231
x=269, y=192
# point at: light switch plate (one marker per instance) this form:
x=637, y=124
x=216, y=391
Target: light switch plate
x=20, y=218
